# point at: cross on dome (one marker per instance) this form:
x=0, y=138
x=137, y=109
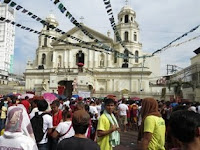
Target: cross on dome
x=82, y=18
x=126, y=2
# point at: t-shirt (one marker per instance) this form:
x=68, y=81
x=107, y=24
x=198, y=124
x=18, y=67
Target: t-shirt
x=26, y=105
x=16, y=141
x=123, y=108
x=33, y=112
x=63, y=127
x=104, y=125
x=156, y=126
x=98, y=110
x=3, y=112
x=75, y=143
x=47, y=124
x=57, y=118
x=93, y=111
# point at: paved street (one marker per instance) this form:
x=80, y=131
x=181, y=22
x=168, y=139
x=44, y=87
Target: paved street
x=128, y=141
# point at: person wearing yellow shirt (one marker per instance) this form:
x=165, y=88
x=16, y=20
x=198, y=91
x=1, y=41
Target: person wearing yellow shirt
x=107, y=128
x=153, y=126
x=3, y=111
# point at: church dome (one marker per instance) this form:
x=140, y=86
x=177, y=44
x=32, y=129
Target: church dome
x=126, y=10
x=52, y=19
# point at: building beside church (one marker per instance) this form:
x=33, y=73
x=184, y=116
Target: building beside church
x=55, y=67
x=190, y=74
x=7, y=37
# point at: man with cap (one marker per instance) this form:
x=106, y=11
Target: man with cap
x=79, y=141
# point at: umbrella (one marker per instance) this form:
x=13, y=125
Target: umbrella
x=75, y=96
x=62, y=97
x=135, y=98
x=112, y=97
x=49, y=97
x=13, y=94
x=27, y=94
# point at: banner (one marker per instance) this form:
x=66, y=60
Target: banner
x=84, y=94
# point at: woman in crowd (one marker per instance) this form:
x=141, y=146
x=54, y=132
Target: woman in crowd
x=153, y=126
x=64, y=129
x=18, y=131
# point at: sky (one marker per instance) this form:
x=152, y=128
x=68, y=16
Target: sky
x=160, y=22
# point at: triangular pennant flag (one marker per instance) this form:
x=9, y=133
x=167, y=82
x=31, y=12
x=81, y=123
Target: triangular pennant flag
x=2, y=18
x=109, y=10
x=23, y=27
x=106, y=3
x=38, y=19
x=19, y=7
x=62, y=8
x=13, y=23
x=34, y=16
x=8, y=21
x=30, y=13
x=27, y=28
x=56, y=1
x=108, y=6
x=42, y=21
x=31, y=30
x=7, y=1
x=18, y=25
x=12, y=4
x=24, y=10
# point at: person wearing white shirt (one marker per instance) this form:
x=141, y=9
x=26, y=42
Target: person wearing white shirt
x=94, y=115
x=123, y=110
x=47, y=124
x=64, y=129
x=34, y=109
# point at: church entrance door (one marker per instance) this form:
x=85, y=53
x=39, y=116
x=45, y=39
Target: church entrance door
x=66, y=86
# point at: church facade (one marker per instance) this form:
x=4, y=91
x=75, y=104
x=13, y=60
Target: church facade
x=59, y=67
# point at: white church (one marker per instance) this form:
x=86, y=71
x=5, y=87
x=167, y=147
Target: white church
x=55, y=68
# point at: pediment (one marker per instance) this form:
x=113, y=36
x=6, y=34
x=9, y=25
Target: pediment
x=76, y=32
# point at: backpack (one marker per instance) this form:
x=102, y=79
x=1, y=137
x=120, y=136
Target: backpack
x=37, y=125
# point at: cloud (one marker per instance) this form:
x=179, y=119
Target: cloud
x=160, y=22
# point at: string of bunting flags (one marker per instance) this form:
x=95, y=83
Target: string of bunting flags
x=103, y=46
x=33, y=16
x=73, y=20
x=194, y=38
x=48, y=36
x=37, y=18
x=113, y=25
x=180, y=37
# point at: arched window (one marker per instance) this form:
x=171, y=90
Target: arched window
x=135, y=36
x=43, y=59
x=131, y=18
x=80, y=57
x=121, y=19
x=126, y=19
x=136, y=56
x=126, y=36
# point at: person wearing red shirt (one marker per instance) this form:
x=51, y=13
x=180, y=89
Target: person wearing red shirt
x=57, y=118
x=56, y=113
x=26, y=104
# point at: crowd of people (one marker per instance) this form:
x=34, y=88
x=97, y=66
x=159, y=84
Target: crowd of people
x=96, y=124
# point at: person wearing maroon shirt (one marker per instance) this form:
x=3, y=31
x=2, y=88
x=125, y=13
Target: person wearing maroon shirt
x=57, y=117
x=26, y=104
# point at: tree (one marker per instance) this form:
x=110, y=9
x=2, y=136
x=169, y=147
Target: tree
x=178, y=85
